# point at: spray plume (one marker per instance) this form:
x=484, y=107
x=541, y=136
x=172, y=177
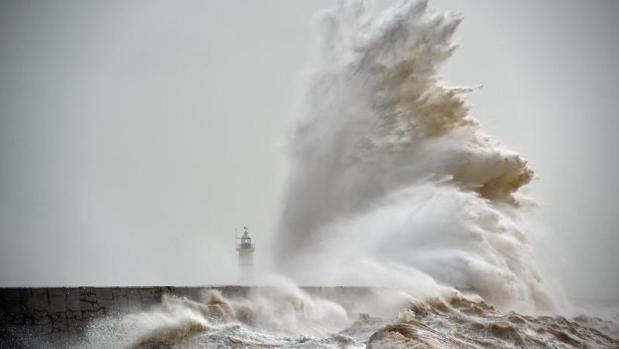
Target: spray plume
x=393, y=183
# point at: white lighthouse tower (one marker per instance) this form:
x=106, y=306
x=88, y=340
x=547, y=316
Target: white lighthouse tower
x=246, y=259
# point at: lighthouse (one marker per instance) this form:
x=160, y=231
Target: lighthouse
x=246, y=259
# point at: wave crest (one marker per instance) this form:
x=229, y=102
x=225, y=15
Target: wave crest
x=392, y=181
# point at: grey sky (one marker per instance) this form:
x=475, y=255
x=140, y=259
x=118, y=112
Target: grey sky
x=135, y=135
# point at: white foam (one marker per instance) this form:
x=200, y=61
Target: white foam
x=392, y=180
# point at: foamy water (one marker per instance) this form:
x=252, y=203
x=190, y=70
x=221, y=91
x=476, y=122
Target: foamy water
x=290, y=318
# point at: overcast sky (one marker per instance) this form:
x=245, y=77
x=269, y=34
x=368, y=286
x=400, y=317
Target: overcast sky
x=136, y=135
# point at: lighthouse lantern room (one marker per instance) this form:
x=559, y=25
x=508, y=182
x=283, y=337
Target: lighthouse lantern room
x=246, y=259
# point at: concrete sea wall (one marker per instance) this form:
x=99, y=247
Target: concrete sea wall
x=68, y=309
x=61, y=312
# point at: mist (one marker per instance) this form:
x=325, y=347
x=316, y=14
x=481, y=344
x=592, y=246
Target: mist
x=135, y=136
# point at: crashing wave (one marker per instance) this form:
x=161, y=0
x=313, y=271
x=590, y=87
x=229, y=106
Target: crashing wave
x=393, y=183
x=294, y=318
x=461, y=323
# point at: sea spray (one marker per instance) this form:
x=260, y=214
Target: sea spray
x=392, y=181
x=284, y=314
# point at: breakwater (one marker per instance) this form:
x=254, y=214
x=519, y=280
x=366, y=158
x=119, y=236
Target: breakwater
x=62, y=312
x=68, y=309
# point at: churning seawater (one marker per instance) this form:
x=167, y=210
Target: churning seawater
x=288, y=317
